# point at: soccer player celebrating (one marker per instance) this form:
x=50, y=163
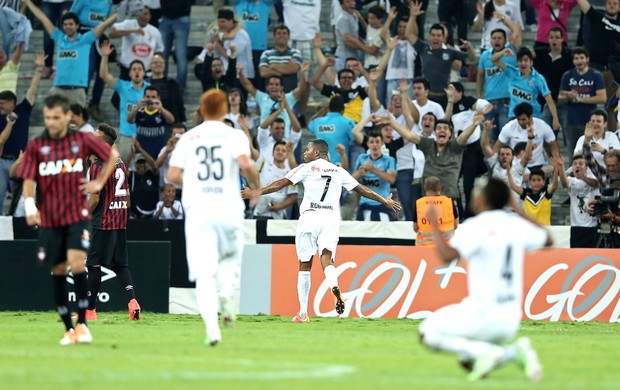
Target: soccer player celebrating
x=110, y=210
x=493, y=242
x=206, y=161
x=56, y=161
x=319, y=223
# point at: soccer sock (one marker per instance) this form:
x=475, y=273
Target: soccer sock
x=303, y=290
x=331, y=276
x=466, y=349
x=81, y=296
x=60, y=295
x=126, y=282
x=510, y=354
x=94, y=284
x=228, y=280
x=206, y=295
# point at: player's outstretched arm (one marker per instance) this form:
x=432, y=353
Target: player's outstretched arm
x=249, y=193
x=370, y=194
x=445, y=251
x=248, y=170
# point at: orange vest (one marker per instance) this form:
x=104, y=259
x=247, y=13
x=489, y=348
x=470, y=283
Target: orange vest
x=446, y=218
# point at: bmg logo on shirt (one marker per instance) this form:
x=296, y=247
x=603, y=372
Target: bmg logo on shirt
x=68, y=54
x=519, y=94
x=327, y=128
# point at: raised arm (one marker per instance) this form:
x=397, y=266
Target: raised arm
x=556, y=169
x=410, y=111
x=562, y=172
x=407, y=134
x=344, y=159
x=485, y=143
x=295, y=125
x=39, y=62
x=512, y=184
x=36, y=11
x=358, y=130
x=245, y=83
x=445, y=251
x=584, y=5
x=411, y=31
x=480, y=84
x=17, y=54
x=243, y=123
x=375, y=104
x=100, y=29
x=497, y=58
x=529, y=147
x=320, y=59
x=316, y=77
x=272, y=117
x=149, y=159
x=302, y=85
x=385, y=30
x=478, y=119
x=104, y=71
x=514, y=27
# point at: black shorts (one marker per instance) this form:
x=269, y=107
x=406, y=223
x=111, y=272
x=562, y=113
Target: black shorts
x=108, y=248
x=54, y=242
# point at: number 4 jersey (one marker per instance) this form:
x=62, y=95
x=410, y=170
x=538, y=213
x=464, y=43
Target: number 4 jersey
x=322, y=182
x=112, y=211
x=208, y=154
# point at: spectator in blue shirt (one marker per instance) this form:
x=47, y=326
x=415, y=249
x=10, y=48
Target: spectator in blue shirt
x=378, y=172
x=254, y=15
x=334, y=128
x=130, y=92
x=526, y=84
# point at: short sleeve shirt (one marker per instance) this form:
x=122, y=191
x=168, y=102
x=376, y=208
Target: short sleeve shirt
x=129, y=96
x=495, y=79
x=371, y=180
x=72, y=58
x=525, y=89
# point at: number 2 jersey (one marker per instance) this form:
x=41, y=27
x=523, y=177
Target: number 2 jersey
x=494, y=243
x=208, y=156
x=112, y=211
x=323, y=182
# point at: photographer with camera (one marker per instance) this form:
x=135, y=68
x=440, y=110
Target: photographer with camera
x=606, y=207
x=151, y=119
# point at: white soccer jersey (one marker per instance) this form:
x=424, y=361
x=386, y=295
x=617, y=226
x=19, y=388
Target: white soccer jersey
x=322, y=182
x=580, y=195
x=608, y=141
x=493, y=243
x=512, y=133
x=208, y=156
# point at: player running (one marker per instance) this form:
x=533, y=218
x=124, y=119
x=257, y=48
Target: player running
x=319, y=224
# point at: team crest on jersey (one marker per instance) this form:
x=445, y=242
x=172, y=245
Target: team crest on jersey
x=75, y=148
x=45, y=150
x=315, y=169
x=531, y=83
x=445, y=57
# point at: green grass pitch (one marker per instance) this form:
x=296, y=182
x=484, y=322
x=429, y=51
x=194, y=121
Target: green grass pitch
x=270, y=352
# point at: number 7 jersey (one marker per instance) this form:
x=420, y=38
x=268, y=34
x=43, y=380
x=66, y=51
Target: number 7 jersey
x=208, y=154
x=322, y=182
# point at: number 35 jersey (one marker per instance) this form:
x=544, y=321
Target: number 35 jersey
x=208, y=154
x=322, y=182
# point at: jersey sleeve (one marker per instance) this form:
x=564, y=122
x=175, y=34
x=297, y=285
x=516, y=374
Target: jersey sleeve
x=358, y=162
x=463, y=240
x=536, y=236
x=56, y=34
x=240, y=144
x=391, y=164
x=96, y=147
x=94, y=172
x=89, y=37
x=294, y=137
x=542, y=85
x=297, y=174
x=348, y=181
x=28, y=168
x=177, y=158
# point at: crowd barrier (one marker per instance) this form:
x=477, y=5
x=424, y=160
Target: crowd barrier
x=380, y=273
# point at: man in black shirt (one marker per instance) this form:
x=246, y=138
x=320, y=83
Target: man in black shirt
x=169, y=89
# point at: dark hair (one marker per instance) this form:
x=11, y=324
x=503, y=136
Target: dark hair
x=499, y=30
x=70, y=15
x=281, y=27
x=523, y=108
x=489, y=8
x=243, y=105
x=53, y=101
x=336, y=104
x=524, y=52
x=278, y=143
x=458, y=86
x=437, y=26
x=577, y=156
x=375, y=134
x=159, y=53
x=77, y=109
x=345, y=70
x=225, y=13
x=8, y=95
x=519, y=146
x=137, y=62
x=321, y=146
x=278, y=120
x=556, y=29
x=377, y=11
x=275, y=76
x=151, y=88
x=599, y=112
x=431, y=114
x=422, y=80
x=350, y=59
x=444, y=122
x=179, y=125
x=109, y=134
x=581, y=50
x=496, y=193
x=537, y=172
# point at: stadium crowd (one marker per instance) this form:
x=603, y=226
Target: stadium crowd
x=393, y=110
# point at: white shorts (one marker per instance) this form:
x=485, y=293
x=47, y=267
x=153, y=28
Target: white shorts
x=316, y=231
x=209, y=242
x=491, y=324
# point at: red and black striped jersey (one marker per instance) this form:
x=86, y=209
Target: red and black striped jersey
x=58, y=166
x=112, y=211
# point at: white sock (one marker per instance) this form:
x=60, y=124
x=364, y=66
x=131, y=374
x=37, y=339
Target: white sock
x=228, y=279
x=303, y=290
x=208, y=304
x=466, y=349
x=331, y=276
x=510, y=354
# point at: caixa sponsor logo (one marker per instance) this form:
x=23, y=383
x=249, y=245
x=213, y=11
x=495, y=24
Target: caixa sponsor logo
x=51, y=168
x=381, y=299
x=585, y=291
